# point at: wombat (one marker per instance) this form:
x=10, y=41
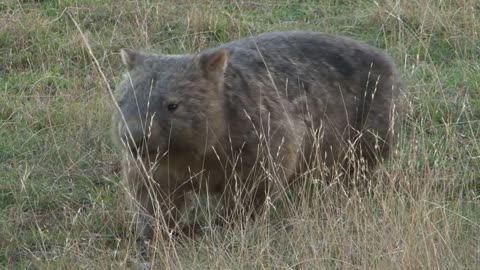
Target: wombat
x=249, y=115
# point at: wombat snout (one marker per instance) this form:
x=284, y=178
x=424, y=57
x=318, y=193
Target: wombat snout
x=134, y=137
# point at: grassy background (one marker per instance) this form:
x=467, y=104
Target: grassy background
x=60, y=199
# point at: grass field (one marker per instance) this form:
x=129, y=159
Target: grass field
x=61, y=204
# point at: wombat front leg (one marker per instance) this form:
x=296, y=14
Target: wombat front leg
x=141, y=212
x=152, y=206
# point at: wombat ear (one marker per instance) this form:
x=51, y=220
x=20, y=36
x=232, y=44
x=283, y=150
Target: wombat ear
x=132, y=58
x=214, y=63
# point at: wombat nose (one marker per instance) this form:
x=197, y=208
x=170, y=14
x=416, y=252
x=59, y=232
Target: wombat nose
x=135, y=137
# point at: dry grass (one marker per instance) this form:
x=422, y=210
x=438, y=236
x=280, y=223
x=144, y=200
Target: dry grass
x=61, y=204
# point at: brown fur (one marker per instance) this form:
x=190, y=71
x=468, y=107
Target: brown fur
x=231, y=119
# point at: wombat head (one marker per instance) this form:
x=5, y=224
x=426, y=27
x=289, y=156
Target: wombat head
x=170, y=103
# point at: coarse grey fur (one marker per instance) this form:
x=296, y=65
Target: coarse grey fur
x=296, y=101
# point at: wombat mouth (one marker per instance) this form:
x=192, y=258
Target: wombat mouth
x=138, y=149
x=143, y=150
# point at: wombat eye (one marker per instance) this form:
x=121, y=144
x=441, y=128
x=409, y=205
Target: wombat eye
x=172, y=107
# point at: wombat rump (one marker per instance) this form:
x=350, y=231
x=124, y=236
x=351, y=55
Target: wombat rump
x=249, y=118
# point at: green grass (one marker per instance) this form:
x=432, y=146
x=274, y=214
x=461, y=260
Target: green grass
x=59, y=190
